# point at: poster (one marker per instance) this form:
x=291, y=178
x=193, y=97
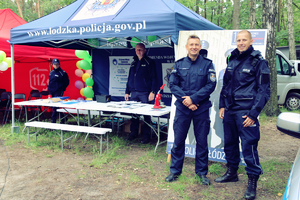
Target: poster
x=218, y=44
x=119, y=70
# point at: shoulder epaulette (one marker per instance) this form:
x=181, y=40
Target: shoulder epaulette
x=180, y=59
x=256, y=57
x=207, y=58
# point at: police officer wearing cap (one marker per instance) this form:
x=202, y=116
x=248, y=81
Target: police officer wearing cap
x=245, y=92
x=58, y=82
x=192, y=81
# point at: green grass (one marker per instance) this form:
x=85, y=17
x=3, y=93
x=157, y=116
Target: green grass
x=273, y=180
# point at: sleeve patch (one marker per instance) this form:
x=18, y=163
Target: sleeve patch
x=212, y=77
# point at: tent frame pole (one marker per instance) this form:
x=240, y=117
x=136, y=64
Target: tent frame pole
x=14, y=129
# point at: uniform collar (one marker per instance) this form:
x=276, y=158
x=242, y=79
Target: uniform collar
x=191, y=59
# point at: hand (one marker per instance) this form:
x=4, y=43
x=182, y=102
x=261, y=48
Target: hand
x=187, y=101
x=126, y=97
x=248, y=121
x=193, y=107
x=151, y=96
x=221, y=113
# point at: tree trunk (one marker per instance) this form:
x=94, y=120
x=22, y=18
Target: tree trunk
x=197, y=7
x=278, y=15
x=271, y=108
x=291, y=30
x=264, y=15
x=252, y=14
x=205, y=9
x=20, y=7
x=38, y=8
x=236, y=14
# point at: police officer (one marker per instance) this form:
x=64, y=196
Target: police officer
x=245, y=92
x=141, y=84
x=58, y=82
x=192, y=81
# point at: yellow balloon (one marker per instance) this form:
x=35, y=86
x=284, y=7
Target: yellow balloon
x=89, y=99
x=77, y=64
x=8, y=61
x=81, y=92
x=3, y=56
x=85, y=76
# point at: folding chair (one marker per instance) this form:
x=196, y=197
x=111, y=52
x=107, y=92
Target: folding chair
x=5, y=97
x=34, y=94
x=31, y=92
x=18, y=97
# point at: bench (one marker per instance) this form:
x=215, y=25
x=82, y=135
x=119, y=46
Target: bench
x=68, y=127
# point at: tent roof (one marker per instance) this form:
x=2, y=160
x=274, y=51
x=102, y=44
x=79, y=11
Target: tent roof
x=84, y=19
x=8, y=20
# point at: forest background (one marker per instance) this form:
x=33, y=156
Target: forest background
x=280, y=17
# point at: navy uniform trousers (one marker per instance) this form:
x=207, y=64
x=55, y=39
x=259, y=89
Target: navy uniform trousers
x=54, y=109
x=134, y=127
x=233, y=129
x=181, y=126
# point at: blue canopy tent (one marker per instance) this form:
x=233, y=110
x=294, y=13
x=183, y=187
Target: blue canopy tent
x=101, y=26
x=85, y=19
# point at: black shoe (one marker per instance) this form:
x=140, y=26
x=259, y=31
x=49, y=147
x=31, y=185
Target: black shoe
x=229, y=176
x=251, y=188
x=145, y=141
x=131, y=137
x=171, y=177
x=203, y=179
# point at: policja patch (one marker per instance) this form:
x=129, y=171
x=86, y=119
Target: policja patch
x=212, y=77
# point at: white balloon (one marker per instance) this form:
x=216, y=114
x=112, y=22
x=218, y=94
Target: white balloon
x=3, y=66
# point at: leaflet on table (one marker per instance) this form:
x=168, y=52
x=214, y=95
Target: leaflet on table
x=125, y=104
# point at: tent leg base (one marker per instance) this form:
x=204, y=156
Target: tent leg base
x=15, y=129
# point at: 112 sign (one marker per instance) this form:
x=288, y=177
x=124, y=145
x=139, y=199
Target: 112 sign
x=38, y=79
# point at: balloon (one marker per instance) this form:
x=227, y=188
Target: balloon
x=151, y=38
x=82, y=53
x=80, y=99
x=93, y=42
x=88, y=92
x=3, y=66
x=85, y=76
x=78, y=72
x=8, y=61
x=77, y=64
x=85, y=65
x=81, y=92
x=134, y=41
x=79, y=85
x=2, y=56
x=88, y=71
x=89, y=82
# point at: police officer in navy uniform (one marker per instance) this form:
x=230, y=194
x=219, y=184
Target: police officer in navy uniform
x=58, y=82
x=192, y=81
x=245, y=92
x=141, y=84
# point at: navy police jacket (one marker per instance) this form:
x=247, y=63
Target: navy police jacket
x=58, y=81
x=196, y=79
x=246, y=83
x=143, y=79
